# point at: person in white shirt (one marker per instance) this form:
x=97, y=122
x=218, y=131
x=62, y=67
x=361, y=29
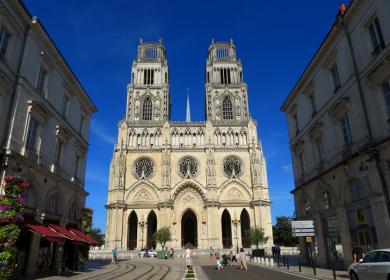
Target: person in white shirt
x=188, y=257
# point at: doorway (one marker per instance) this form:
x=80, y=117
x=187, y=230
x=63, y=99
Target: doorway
x=133, y=227
x=189, y=230
x=226, y=230
x=151, y=230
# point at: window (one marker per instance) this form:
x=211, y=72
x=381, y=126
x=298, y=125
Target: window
x=371, y=257
x=383, y=256
x=72, y=212
x=188, y=165
x=335, y=77
x=81, y=128
x=326, y=200
x=232, y=166
x=147, y=109
x=52, y=204
x=386, y=93
x=42, y=80
x=320, y=148
x=312, y=104
x=227, y=109
x=356, y=190
x=225, y=76
x=4, y=40
x=58, y=153
x=32, y=134
x=295, y=118
x=208, y=77
x=346, y=129
x=148, y=77
x=143, y=167
x=166, y=77
x=376, y=36
x=76, y=166
x=65, y=106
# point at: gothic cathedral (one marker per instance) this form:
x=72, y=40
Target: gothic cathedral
x=206, y=181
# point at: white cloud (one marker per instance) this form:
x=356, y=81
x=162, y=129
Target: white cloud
x=98, y=130
x=287, y=168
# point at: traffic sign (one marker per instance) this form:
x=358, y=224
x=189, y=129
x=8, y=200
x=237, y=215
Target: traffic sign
x=297, y=234
x=302, y=224
x=303, y=230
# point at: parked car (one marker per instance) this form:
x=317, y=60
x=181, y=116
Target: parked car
x=374, y=266
x=151, y=253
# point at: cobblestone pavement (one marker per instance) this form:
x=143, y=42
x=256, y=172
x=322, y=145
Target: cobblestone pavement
x=137, y=269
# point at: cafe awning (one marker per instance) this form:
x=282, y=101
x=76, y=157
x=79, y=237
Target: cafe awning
x=46, y=232
x=83, y=235
x=67, y=233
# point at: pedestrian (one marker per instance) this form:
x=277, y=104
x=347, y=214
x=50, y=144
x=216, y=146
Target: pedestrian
x=243, y=259
x=188, y=257
x=220, y=264
x=114, y=257
x=273, y=251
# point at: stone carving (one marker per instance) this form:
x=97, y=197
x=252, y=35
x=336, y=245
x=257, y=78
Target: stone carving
x=188, y=198
x=143, y=195
x=233, y=194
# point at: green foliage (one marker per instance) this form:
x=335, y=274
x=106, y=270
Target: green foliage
x=96, y=233
x=11, y=209
x=86, y=226
x=283, y=233
x=163, y=235
x=256, y=236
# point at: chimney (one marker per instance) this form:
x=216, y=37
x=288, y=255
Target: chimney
x=342, y=9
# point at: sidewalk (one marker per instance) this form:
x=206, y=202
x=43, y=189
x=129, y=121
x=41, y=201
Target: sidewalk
x=321, y=273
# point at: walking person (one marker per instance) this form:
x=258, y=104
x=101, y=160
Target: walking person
x=243, y=260
x=188, y=257
x=114, y=257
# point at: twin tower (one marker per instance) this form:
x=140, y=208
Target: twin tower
x=206, y=181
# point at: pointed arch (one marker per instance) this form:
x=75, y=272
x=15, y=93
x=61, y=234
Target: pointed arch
x=189, y=229
x=132, y=231
x=245, y=227
x=151, y=230
x=147, y=108
x=226, y=226
x=227, y=108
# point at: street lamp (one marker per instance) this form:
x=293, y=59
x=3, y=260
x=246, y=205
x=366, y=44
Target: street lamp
x=142, y=225
x=235, y=222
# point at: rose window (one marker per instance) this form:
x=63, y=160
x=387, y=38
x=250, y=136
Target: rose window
x=188, y=165
x=143, y=167
x=232, y=165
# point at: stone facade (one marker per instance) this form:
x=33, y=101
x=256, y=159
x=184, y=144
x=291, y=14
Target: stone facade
x=44, y=128
x=193, y=177
x=338, y=120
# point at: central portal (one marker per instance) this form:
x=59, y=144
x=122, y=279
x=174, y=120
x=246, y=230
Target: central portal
x=189, y=230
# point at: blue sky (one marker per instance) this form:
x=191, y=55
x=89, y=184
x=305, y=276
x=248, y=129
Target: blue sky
x=275, y=40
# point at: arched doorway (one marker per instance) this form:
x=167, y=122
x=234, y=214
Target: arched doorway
x=151, y=229
x=226, y=223
x=189, y=229
x=245, y=226
x=133, y=226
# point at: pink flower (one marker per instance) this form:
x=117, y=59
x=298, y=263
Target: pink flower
x=5, y=207
x=8, y=178
x=18, y=218
x=19, y=199
x=24, y=185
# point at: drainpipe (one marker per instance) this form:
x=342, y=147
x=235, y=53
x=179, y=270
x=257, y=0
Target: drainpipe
x=13, y=101
x=371, y=145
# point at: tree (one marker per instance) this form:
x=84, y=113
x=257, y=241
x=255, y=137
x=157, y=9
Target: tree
x=162, y=236
x=283, y=233
x=96, y=233
x=256, y=236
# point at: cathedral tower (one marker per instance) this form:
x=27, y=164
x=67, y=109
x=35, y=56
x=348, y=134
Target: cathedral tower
x=226, y=92
x=148, y=93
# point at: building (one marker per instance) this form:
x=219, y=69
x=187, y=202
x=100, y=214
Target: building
x=338, y=121
x=207, y=180
x=44, y=127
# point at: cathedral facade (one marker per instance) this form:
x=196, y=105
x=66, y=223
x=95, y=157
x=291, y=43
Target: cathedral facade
x=206, y=180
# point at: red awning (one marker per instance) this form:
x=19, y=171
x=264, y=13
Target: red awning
x=67, y=233
x=84, y=236
x=46, y=232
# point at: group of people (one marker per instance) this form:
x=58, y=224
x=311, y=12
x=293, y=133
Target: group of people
x=223, y=260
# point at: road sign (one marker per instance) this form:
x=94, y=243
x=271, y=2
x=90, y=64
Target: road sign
x=297, y=234
x=303, y=230
x=302, y=224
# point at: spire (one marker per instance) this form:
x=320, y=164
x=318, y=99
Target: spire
x=188, y=113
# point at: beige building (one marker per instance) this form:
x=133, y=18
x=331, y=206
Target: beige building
x=44, y=125
x=338, y=119
x=197, y=178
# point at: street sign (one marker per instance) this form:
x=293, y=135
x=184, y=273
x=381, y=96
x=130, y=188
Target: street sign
x=303, y=230
x=302, y=224
x=297, y=234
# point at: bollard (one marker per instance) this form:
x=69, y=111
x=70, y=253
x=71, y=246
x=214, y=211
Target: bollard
x=299, y=265
x=266, y=261
x=284, y=260
x=288, y=266
x=271, y=262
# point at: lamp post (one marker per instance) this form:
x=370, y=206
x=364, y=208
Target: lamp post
x=235, y=222
x=142, y=225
